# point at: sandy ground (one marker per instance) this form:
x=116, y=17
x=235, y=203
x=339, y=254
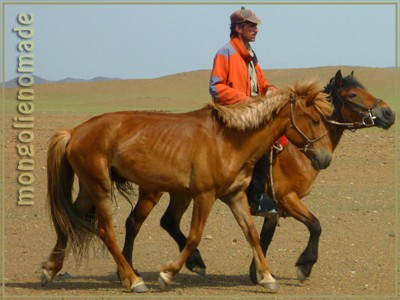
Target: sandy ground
x=355, y=200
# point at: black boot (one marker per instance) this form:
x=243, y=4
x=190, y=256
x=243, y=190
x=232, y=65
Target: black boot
x=260, y=203
x=265, y=207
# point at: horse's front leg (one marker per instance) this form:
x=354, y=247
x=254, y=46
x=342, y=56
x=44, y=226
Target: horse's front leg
x=239, y=206
x=202, y=205
x=266, y=234
x=295, y=207
x=171, y=220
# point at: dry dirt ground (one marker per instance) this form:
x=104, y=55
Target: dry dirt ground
x=355, y=200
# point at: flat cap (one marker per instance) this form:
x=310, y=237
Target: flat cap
x=243, y=15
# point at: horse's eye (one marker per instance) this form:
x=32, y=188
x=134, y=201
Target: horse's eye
x=352, y=95
x=316, y=121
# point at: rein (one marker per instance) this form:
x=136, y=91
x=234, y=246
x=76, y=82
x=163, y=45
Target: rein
x=367, y=119
x=309, y=142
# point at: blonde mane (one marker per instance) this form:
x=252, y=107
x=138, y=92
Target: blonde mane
x=262, y=108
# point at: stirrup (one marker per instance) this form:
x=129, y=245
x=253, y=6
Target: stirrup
x=265, y=213
x=264, y=208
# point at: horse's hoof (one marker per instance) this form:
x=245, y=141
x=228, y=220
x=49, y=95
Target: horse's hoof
x=45, y=277
x=272, y=287
x=196, y=264
x=139, y=287
x=269, y=282
x=200, y=271
x=253, y=272
x=163, y=285
x=139, y=276
x=300, y=275
x=164, y=281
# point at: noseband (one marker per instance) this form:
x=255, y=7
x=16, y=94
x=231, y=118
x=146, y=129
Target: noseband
x=309, y=141
x=366, y=113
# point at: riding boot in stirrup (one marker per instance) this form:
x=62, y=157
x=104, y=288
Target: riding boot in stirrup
x=260, y=203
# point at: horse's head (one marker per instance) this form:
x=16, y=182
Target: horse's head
x=355, y=107
x=309, y=109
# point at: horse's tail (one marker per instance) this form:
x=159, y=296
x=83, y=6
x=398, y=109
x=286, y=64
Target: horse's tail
x=69, y=226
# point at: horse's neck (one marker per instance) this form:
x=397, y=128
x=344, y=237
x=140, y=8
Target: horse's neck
x=254, y=143
x=335, y=134
x=336, y=131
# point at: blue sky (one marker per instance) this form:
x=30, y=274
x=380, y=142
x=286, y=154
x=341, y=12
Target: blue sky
x=132, y=40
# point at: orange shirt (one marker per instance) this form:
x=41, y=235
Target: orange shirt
x=230, y=80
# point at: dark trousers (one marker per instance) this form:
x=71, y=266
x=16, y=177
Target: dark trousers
x=258, y=181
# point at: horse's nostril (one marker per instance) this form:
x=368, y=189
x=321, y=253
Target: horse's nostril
x=388, y=113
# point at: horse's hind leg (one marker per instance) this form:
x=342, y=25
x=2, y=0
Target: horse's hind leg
x=54, y=263
x=295, y=207
x=171, y=220
x=145, y=204
x=106, y=233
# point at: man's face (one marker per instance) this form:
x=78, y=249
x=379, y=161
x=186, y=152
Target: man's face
x=247, y=31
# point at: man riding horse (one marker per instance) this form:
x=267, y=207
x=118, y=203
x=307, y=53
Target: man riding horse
x=236, y=77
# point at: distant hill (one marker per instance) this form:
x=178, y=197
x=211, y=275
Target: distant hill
x=14, y=82
x=39, y=80
x=181, y=92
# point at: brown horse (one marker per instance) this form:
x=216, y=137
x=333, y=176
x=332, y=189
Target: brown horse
x=201, y=155
x=354, y=108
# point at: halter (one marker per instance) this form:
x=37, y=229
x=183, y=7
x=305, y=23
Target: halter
x=309, y=142
x=367, y=118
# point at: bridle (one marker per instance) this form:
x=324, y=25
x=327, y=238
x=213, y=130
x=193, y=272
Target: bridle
x=309, y=141
x=366, y=121
x=366, y=113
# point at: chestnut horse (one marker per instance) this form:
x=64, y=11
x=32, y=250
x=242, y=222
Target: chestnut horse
x=201, y=155
x=354, y=108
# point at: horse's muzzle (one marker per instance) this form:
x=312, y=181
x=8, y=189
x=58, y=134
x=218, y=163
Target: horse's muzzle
x=384, y=117
x=321, y=161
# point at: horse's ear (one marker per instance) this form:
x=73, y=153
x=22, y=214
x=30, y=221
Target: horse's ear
x=352, y=74
x=338, y=79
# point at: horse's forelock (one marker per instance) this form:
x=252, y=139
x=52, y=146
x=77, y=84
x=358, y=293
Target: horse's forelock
x=313, y=89
x=350, y=81
x=323, y=104
x=347, y=82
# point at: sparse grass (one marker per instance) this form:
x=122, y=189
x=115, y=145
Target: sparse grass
x=182, y=92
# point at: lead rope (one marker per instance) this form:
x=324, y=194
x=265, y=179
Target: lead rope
x=278, y=147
